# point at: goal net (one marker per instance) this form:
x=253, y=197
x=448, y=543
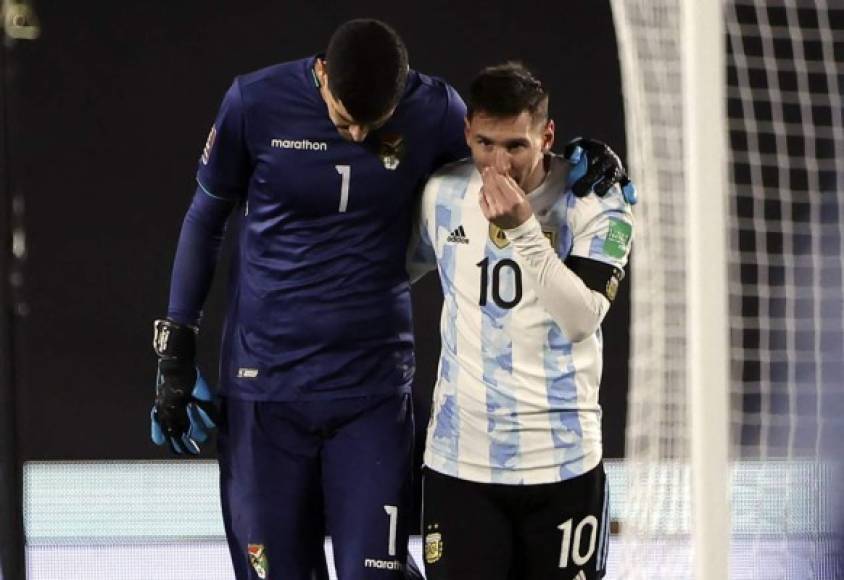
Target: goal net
x=784, y=260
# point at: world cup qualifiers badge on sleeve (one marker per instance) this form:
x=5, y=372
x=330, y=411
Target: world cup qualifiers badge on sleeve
x=391, y=150
x=617, y=239
x=258, y=560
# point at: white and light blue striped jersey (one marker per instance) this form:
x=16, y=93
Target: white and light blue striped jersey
x=516, y=401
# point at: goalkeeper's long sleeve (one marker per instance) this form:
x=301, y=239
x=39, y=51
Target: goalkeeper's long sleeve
x=196, y=256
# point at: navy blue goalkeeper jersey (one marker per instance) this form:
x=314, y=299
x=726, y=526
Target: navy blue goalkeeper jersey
x=319, y=301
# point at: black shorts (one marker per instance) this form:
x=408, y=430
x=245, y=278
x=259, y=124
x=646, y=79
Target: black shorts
x=489, y=531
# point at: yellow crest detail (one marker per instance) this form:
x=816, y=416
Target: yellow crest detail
x=498, y=237
x=391, y=150
x=613, y=283
x=258, y=559
x=433, y=547
x=612, y=287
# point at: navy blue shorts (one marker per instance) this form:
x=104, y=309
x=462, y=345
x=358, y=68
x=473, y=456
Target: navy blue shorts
x=292, y=471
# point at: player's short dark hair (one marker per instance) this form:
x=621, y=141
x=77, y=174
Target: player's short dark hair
x=367, y=68
x=506, y=90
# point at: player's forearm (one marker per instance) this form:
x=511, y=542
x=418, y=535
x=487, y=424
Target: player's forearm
x=576, y=308
x=421, y=257
x=196, y=256
x=420, y=260
x=415, y=272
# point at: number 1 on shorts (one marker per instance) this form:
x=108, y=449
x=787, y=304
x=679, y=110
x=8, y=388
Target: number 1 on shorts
x=393, y=512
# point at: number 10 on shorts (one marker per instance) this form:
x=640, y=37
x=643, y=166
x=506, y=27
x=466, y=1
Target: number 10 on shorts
x=573, y=547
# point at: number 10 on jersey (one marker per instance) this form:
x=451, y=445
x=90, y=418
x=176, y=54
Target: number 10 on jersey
x=497, y=272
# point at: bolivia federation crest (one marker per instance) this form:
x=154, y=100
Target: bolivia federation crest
x=391, y=150
x=258, y=559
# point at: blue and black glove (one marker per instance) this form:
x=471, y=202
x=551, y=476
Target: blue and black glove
x=597, y=168
x=184, y=411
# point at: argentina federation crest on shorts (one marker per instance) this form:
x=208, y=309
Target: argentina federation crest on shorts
x=391, y=150
x=258, y=559
x=433, y=547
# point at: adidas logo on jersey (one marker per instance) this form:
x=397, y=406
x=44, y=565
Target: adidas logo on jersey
x=458, y=236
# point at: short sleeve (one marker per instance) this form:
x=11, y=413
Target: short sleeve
x=422, y=256
x=602, y=228
x=224, y=167
x=452, y=139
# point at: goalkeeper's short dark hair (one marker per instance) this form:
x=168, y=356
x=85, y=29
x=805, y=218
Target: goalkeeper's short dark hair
x=506, y=90
x=367, y=68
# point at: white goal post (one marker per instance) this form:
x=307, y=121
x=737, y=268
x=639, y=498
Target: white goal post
x=736, y=142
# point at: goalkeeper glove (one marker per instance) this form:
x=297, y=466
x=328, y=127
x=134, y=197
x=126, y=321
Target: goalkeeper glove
x=184, y=412
x=596, y=168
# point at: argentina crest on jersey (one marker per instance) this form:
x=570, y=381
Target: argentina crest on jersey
x=499, y=238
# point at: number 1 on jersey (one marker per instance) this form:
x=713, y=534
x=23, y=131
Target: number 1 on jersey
x=345, y=172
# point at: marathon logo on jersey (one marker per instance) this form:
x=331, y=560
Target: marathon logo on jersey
x=258, y=560
x=458, y=236
x=209, y=144
x=382, y=564
x=391, y=150
x=299, y=144
x=433, y=547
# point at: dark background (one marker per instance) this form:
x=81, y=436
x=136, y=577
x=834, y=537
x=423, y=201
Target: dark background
x=109, y=111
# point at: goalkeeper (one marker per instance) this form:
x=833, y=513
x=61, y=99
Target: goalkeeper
x=318, y=162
